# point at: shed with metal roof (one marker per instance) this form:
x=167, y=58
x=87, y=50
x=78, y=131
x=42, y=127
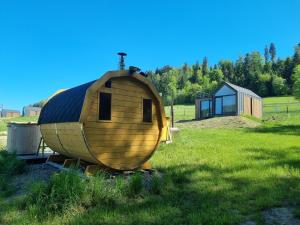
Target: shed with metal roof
x=116, y=121
x=228, y=100
x=10, y=113
x=31, y=111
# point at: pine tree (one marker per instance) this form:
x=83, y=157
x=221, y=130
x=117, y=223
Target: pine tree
x=205, y=66
x=267, y=54
x=239, y=71
x=296, y=57
x=183, y=77
x=196, y=73
x=272, y=51
x=185, y=68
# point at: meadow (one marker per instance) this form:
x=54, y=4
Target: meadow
x=4, y=121
x=209, y=176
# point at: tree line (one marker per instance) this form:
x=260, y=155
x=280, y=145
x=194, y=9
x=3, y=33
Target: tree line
x=266, y=75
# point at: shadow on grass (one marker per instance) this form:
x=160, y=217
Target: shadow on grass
x=186, y=121
x=276, y=157
x=198, y=194
x=278, y=129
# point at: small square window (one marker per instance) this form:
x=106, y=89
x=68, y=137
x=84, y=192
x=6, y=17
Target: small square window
x=147, y=110
x=105, y=106
x=108, y=84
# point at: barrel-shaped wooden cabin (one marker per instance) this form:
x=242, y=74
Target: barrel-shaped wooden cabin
x=116, y=121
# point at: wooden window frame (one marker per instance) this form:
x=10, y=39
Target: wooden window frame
x=107, y=84
x=99, y=103
x=147, y=122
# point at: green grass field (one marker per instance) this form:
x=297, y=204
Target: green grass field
x=4, y=121
x=210, y=176
x=273, y=106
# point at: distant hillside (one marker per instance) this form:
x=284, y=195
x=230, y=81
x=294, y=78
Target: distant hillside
x=4, y=121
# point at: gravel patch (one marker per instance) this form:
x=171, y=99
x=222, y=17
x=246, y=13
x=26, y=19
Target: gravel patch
x=277, y=216
x=280, y=216
x=220, y=122
x=249, y=223
x=33, y=172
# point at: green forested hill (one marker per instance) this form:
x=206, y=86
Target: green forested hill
x=265, y=75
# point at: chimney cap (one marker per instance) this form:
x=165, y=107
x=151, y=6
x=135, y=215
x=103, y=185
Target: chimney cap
x=122, y=53
x=134, y=69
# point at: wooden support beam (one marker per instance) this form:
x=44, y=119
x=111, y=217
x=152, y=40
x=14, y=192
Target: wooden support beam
x=146, y=166
x=56, y=158
x=70, y=162
x=91, y=170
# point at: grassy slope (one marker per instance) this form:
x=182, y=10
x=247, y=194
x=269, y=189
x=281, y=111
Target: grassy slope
x=4, y=121
x=218, y=176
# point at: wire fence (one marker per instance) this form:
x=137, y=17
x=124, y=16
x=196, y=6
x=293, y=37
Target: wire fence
x=187, y=112
x=182, y=112
x=281, y=111
x=282, y=107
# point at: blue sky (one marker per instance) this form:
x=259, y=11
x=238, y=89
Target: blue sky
x=49, y=45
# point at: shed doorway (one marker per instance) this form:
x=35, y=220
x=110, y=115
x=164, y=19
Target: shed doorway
x=225, y=105
x=205, y=109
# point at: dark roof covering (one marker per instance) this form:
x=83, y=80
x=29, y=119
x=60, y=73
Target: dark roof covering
x=65, y=106
x=242, y=90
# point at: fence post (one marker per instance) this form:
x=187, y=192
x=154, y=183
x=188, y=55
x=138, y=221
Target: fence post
x=287, y=109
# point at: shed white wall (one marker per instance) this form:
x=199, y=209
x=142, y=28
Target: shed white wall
x=225, y=90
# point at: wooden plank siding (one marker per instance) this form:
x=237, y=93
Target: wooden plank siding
x=247, y=105
x=68, y=139
x=257, y=108
x=256, y=105
x=125, y=141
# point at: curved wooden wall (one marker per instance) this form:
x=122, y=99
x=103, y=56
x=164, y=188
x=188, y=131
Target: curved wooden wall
x=125, y=142
x=67, y=139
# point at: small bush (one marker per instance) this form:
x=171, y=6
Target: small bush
x=135, y=185
x=5, y=188
x=9, y=164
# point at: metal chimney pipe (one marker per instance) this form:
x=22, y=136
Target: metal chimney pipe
x=122, y=60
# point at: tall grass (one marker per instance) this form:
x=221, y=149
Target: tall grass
x=63, y=191
x=9, y=166
x=70, y=193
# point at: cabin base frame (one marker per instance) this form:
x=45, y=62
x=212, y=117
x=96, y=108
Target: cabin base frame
x=64, y=163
